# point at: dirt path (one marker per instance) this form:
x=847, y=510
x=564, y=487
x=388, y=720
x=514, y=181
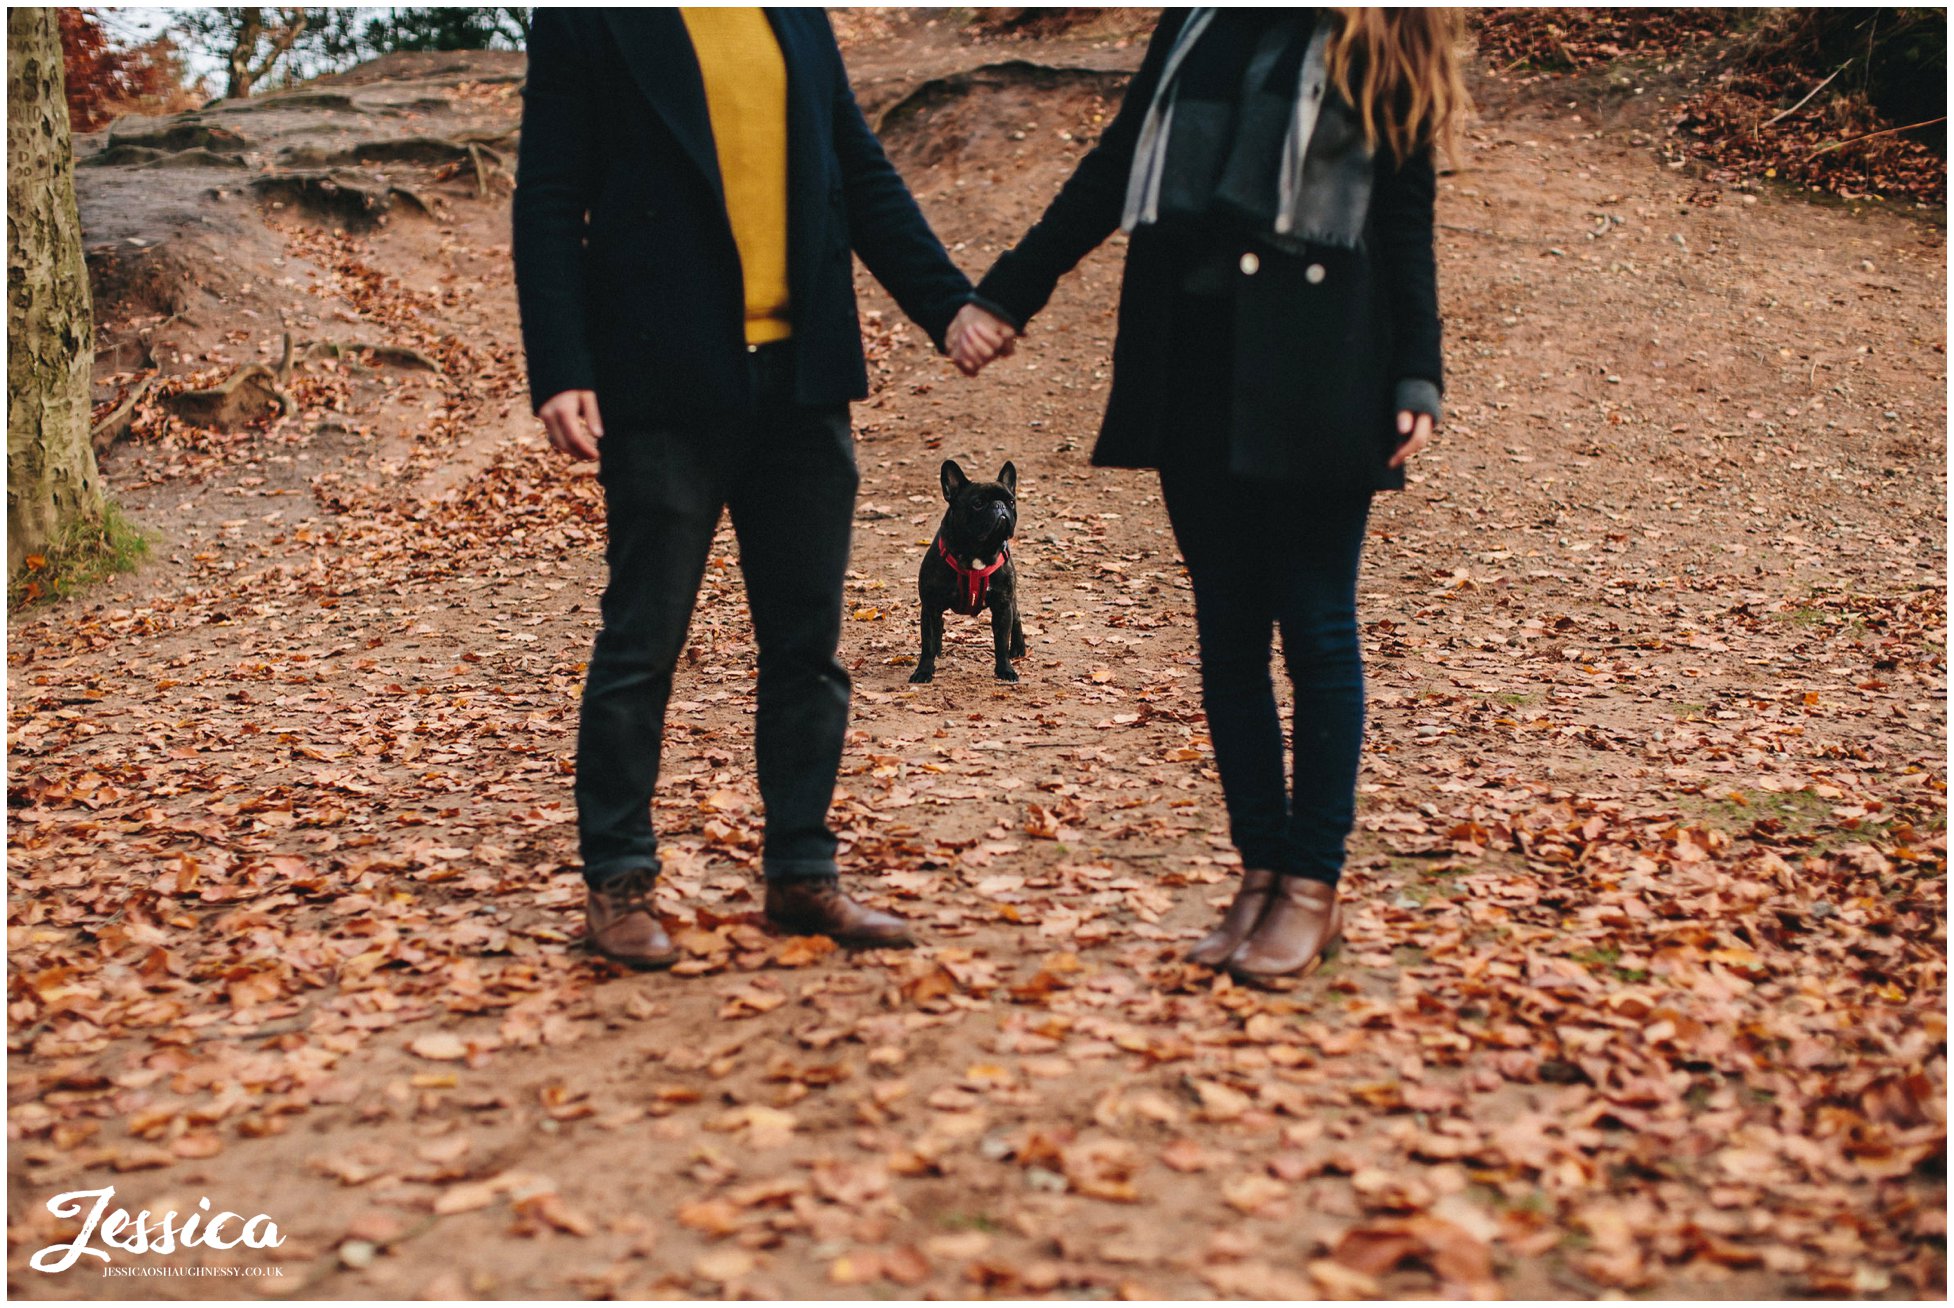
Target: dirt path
x=1646, y=974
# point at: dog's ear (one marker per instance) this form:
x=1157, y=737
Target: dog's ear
x=953, y=479
x=1007, y=477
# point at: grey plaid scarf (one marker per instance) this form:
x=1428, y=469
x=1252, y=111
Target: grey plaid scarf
x=1323, y=177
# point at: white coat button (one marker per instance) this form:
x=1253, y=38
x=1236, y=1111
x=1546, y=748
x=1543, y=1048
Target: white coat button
x=1313, y=274
x=1251, y=264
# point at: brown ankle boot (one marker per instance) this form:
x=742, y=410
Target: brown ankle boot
x=1251, y=897
x=1303, y=920
x=621, y=924
x=816, y=906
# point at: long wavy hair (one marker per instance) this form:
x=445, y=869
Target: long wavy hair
x=1400, y=68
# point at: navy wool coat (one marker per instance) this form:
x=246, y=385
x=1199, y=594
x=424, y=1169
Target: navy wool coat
x=627, y=274
x=1327, y=343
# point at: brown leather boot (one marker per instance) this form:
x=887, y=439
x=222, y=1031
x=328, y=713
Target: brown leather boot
x=621, y=924
x=1303, y=920
x=815, y=906
x=1251, y=897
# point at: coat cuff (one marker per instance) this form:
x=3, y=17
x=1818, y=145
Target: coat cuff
x=546, y=385
x=996, y=310
x=1012, y=291
x=1419, y=396
x=937, y=328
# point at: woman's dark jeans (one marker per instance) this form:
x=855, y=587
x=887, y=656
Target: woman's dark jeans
x=1263, y=556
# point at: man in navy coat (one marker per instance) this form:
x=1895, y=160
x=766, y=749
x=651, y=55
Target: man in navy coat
x=691, y=185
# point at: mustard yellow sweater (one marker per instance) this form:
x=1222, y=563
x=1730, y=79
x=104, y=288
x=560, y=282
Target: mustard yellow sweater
x=746, y=94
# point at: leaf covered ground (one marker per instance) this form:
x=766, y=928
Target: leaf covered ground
x=1843, y=102
x=1646, y=978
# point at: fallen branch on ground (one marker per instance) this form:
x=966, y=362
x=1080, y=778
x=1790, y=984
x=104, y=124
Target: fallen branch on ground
x=1867, y=136
x=1808, y=95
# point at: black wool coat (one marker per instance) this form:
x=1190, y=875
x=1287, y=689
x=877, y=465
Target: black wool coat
x=627, y=274
x=1326, y=343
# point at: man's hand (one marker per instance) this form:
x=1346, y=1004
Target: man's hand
x=976, y=337
x=1417, y=426
x=571, y=419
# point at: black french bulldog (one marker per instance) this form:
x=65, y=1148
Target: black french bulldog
x=968, y=568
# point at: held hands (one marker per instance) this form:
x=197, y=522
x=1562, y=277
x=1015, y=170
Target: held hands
x=1417, y=428
x=976, y=337
x=571, y=419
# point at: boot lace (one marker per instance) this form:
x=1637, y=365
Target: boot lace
x=632, y=888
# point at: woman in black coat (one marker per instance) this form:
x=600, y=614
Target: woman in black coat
x=1278, y=361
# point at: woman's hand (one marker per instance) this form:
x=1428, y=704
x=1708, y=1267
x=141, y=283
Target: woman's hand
x=1417, y=427
x=976, y=337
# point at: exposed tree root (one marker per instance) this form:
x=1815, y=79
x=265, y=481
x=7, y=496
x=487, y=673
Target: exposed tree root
x=135, y=353
x=331, y=101
x=115, y=426
x=120, y=155
x=309, y=169
x=477, y=157
x=399, y=356
x=500, y=140
x=142, y=156
x=244, y=396
x=474, y=154
x=197, y=159
x=410, y=149
x=181, y=135
x=248, y=394
x=358, y=203
x=1019, y=72
x=484, y=163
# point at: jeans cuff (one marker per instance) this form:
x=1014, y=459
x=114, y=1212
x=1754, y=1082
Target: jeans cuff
x=596, y=875
x=801, y=869
x=1270, y=858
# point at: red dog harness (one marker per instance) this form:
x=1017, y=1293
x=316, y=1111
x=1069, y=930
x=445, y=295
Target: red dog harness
x=975, y=582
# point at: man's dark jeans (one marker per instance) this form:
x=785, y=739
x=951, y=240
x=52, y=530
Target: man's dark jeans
x=1264, y=556
x=788, y=475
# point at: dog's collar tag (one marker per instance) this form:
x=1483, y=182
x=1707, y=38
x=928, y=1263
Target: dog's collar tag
x=976, y=582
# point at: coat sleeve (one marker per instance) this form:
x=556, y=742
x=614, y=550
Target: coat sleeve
x=1088, y=207
x=885, y=226
x=1401, y=226
x=558, y=174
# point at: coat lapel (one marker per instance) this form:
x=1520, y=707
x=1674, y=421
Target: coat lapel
x=659, y=54
x=809, y=95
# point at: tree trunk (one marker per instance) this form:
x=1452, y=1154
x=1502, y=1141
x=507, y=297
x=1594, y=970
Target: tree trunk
x=250, y=26
x=51, y=476
x=249, y=67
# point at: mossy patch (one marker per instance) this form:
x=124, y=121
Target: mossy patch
x=87, y=553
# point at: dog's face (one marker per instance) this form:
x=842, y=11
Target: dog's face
x=982, y=513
